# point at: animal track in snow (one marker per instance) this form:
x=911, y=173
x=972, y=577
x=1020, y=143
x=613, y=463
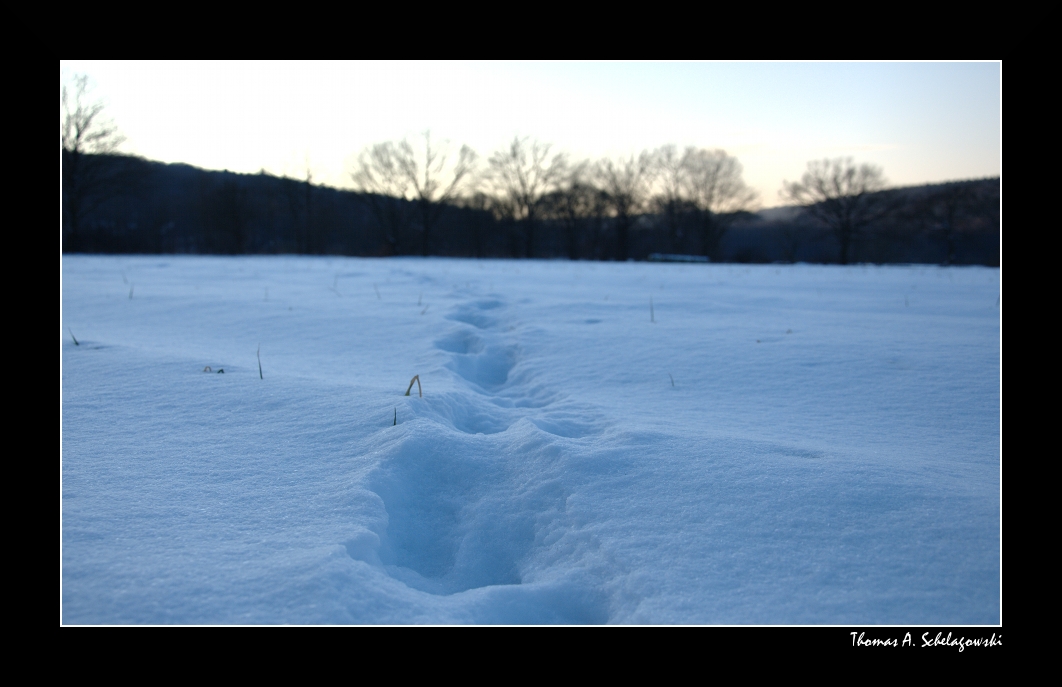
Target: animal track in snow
x=460, y=341
x=457, y=519
x=460, y=512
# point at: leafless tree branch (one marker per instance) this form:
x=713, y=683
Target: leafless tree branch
x=524, y=173
x=843, y=196
x=85, y=135
x=392, y=172
x=627, y=183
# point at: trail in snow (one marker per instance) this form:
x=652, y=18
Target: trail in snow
x=471, y=507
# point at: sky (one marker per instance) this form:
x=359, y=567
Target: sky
x=921, y=122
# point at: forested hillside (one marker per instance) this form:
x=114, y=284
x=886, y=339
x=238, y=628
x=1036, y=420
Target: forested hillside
x=123, y=204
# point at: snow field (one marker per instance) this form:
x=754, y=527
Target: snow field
x=795, y=444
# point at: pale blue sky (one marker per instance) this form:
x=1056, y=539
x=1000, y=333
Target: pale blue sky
x=921, y=122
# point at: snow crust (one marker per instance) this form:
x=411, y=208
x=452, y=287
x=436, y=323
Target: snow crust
x=768, y=445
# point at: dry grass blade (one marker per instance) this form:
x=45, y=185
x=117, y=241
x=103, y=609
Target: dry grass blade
x=420, y=392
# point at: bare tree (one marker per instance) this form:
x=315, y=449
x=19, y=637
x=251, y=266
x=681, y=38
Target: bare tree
x=433, y=183
x=383, y=188
x=714, y=186
x=672, y=172
x=844, y=197
x=524, y=173
x=574, y=201
x=397, y=171
x=627, y=183
x=86, y=136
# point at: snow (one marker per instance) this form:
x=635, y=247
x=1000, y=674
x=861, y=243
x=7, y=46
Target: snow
x=778, y=445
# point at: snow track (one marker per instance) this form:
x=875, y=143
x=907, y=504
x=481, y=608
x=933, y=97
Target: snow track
x=472, y=488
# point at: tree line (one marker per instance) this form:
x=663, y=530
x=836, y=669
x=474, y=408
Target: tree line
x=526, y=188
x=525, y=200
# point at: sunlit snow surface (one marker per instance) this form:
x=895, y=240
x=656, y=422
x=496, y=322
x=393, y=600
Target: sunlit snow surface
x=784, y=444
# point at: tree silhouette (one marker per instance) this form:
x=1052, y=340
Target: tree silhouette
x=390, y=171
x=87, y=139
x=672, y=172
x=844, y=197
x=627, y=182
x=715, y=187
x=572, y=204
x=524, y=173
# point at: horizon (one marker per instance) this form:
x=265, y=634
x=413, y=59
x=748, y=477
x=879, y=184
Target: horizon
x=922, y=123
